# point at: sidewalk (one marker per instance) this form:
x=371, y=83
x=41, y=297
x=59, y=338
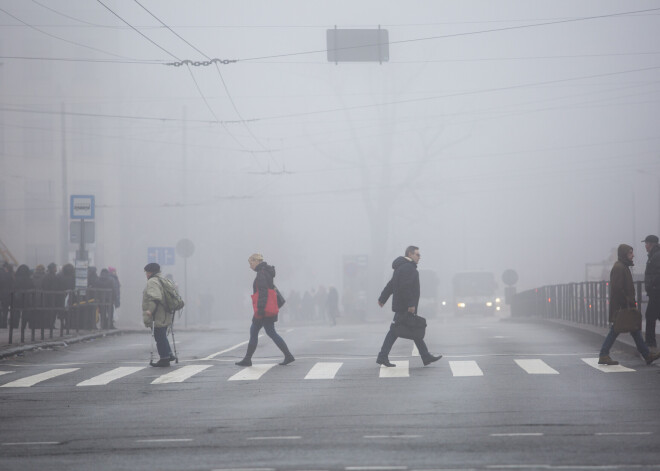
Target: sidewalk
x=9, y=349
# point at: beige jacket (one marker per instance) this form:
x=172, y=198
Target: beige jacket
x=152, y=302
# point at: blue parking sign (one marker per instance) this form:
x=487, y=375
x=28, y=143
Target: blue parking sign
x=161, y=255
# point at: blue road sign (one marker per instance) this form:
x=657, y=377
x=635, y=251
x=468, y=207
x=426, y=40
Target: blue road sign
x=82, y=207
x=161, y=255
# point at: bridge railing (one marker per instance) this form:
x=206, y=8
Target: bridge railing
x=584, y=303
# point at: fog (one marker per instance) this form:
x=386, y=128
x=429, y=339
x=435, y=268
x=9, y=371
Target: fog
x=516, y=135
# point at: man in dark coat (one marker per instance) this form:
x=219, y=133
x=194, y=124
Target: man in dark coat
x=622, y=296
x=652, y=285
x=6, y=287
x=404, y=286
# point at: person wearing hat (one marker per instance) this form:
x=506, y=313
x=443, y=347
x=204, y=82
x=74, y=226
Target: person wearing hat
x=652, y=285
x=153, y=312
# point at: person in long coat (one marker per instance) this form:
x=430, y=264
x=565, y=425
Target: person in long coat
x=622, y=296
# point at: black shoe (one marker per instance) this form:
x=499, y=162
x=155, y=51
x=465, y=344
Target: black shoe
x=160, y=363
x=244, y=362
x=384, y=362
x=172, y=357
x=651, y=357
x=287, y=359
x=430, y=359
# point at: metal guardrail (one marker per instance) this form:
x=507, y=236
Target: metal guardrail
x=36, y=309
x=583, y=303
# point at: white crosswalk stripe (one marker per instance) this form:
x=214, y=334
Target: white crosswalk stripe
x=318, y=371
x=38, y=378
x=401, y=370
x=465, y=368
x=252, y=373
x=593, y=362
x=536, y=367
x=180, y=374
x=111, y=375
x=323, y=370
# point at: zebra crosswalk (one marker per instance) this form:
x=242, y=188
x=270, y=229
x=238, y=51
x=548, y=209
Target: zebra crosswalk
x=319, y=371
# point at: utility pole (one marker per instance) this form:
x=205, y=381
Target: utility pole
x=64, y=229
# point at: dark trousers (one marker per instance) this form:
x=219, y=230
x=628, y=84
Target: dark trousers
x=652, y=315
x=269, y=327
x=162, y=344
x=391, y=337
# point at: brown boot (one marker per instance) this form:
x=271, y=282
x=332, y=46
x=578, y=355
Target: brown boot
x=606, y=360
x=651, y=357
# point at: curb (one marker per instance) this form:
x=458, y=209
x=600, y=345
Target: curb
x=58, y=343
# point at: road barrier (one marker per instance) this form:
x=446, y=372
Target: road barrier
x=583, y=303
x=36, y=309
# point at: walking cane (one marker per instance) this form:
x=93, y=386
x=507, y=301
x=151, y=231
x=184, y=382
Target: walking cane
x=176, y=356
x=151, y=357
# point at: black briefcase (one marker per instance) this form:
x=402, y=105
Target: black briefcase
x=411, y=327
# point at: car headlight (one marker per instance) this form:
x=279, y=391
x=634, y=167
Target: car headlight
x=461, y=304
x=498, y=300
x=489, y=304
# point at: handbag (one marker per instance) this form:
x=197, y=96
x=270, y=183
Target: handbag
x=280, y=298
x=627, y=320
x=271, y=308
x=411, y=327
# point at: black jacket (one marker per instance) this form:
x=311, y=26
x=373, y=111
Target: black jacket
x=262, y=283
x=404, y=285
x=652, y=272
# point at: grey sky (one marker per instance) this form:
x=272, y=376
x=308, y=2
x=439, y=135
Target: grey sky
x=499, y=135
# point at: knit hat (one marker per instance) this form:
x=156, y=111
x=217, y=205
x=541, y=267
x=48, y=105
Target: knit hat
x=152, y=268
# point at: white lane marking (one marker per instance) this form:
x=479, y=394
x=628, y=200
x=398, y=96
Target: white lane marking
x=111, y=375
x=252, y=373
x=243, y=469
x=465, y=368
x=323, y=370
x=624, y=433
x=401, y=370
x=415, y=352
x=34, y=379
x=166, y=440
x=536, y=367
x=593, y=362
x=520, y=434
x=332, y=340
x=30, y=443
x=392, y=436
x=374, y=468
x=5, y=372
x=295, y=437
x=181, y=374
x=213, y=355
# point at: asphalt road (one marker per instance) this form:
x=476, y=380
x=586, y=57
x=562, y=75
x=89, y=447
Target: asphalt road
x=505, y=395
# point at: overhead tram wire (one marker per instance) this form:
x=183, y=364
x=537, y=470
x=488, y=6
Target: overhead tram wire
x=62, y=39
x=444, y=36
x=224, y=84
x=171, y=54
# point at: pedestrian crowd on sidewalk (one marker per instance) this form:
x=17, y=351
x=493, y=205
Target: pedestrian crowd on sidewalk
x=36, y=298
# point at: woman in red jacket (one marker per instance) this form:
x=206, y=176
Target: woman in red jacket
x=262, y=283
